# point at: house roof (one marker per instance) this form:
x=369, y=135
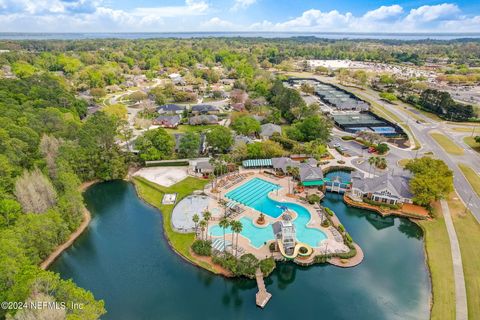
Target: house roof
x=203, y=119
x=204, y=108
x=204, y=165
x=268, y=129
x=170, y=119
x=170, y=108
x=310, y=173
x=284, y=162
x=396, y=185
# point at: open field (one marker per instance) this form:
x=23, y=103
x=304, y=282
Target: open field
x=470, y=141
x=471, y=176
x=153, y=193
x=439, y=259
x=447, y=144
x=468, y=233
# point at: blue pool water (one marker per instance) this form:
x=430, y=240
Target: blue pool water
x=254, y=194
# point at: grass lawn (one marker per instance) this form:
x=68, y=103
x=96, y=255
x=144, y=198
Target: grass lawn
x=403, y=162
x=153, y=193
x=470, y=141
x=471, y=176
x=447, y=144
x=185, y=127
x=468, y=233
x=439, y=260
x=465, y=129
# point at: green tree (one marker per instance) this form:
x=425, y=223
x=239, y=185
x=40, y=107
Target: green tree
x=246, y=125
x=432, y=180
x=189, y=145
x=311, y=128
x=224, y=223
x=155, y=144
x=220, y=138
x=236, y=227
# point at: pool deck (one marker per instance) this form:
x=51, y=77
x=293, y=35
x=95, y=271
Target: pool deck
x=329, y=244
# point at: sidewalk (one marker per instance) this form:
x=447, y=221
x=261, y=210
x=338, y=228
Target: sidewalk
x=460, y=291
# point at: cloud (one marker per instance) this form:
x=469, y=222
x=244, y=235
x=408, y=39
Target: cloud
x=217, y=22
x=444, y=17
x=242, y=4
x=91, y=16
x=384, y=12
x=191, y=8
x=430, y=13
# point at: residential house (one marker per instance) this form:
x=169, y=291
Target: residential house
x=203, y=119
x=167, y=121
x=204, y=109
x=240, y=107
x=387, y=188
x=171, y=109
x=177, y=79
x=268, y=129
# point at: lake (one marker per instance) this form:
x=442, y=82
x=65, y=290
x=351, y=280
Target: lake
x=124, y=259
x=188, y=35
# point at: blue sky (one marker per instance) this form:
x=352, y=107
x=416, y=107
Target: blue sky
x=238, y=15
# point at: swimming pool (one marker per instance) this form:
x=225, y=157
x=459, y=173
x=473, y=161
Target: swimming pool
x=254, y=194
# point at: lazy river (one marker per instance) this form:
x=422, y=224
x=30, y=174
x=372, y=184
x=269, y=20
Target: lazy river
x=124, y=259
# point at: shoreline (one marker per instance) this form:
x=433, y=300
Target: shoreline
x=87, y=217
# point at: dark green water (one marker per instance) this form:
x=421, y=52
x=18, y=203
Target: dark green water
x=124, y=259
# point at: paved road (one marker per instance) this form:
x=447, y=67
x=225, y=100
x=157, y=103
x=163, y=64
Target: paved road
x=421, y=132
x=460, y=291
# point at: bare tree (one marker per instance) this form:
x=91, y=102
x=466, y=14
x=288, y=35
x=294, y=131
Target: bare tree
x=49, y=146
x=35, y=192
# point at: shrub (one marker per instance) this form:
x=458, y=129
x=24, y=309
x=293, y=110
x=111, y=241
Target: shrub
x=329, y=212
x=325, y=223
x=227, y=261
x=382, y=148
x=341, y=228
x=247, y=265
x=267, y=265
x=381, y=204
x=347, y=255
x=202, y=247
x=348, y=138
x=313, y=198
x=303, y=250
x=348, y=238
x=272, y=247
x=322, y=258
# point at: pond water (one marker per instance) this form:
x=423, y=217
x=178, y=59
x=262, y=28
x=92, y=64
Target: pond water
x=124, y=259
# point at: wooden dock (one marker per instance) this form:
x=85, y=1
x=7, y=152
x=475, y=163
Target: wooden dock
x=263, y=296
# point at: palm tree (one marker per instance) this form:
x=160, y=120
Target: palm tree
x=372, y=161
x=224, y=224
x=381, y=163
x=207, y=216
x=237, y=227
x=203, y=224
x=195, y=220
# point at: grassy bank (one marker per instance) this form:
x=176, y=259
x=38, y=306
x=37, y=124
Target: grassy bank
x=470, y=141
x=468, y=233
x=153, y=193
x=471, y=176
x=447, y=144
x=439, y=257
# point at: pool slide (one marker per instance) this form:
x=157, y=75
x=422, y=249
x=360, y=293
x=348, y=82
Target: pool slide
x=295, y=250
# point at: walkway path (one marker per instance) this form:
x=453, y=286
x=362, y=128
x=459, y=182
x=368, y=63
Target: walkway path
x=460, y=291
x=263, y=296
